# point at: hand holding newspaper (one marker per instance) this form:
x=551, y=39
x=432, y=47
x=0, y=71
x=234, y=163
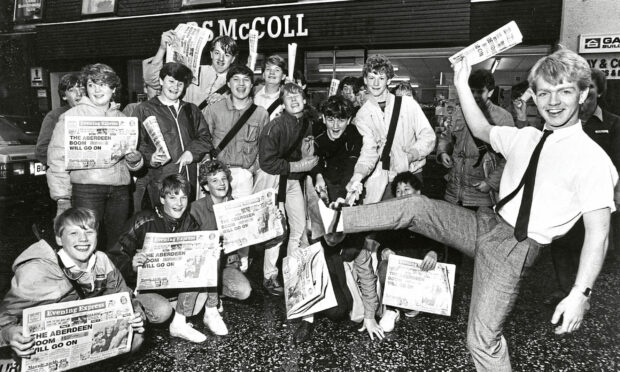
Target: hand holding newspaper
x=76, y=333
x=408, y=286
x=496, y=42
x=292, y=54
x=188, y=50
x=152, y=128
x=253, y=38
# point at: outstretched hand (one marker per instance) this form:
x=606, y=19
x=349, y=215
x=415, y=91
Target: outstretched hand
x=572, y=309
x=373, y=329
x=462, y=70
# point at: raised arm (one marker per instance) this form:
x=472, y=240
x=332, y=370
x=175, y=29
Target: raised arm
x=474, y=117
x=151, y=66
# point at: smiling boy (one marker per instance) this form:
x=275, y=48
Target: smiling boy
x=268, y=96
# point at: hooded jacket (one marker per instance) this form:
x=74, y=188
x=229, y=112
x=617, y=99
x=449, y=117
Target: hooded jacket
x=132, y=241
x=39, y=280
x=59, y=179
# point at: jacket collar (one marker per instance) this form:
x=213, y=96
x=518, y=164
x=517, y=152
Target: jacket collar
x=85, y=101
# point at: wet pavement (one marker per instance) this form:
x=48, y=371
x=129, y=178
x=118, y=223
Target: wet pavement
x=261, y=338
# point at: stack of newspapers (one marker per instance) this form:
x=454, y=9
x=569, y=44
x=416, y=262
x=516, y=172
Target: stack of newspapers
x=307, y=285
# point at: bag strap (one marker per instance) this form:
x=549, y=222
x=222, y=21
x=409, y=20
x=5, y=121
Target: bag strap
x=385, y=154
x=274, y=105
x=234, y=130
x=205, y=103
x=74, y=283
x=283, y=177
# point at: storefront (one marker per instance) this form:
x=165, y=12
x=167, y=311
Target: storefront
x=333, y=37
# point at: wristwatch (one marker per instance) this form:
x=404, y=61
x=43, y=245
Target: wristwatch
x=586, y=291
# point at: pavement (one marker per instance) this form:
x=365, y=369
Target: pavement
x=260, y=337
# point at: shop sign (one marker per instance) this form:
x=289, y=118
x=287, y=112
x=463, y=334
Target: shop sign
x=604, y=43
x=28, y=10
x=273, y=27
x=36, y=77
x=609, y=64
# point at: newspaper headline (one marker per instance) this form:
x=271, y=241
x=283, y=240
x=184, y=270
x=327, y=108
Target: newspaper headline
x=496, y=42
x=188, y=49
x=151, y=126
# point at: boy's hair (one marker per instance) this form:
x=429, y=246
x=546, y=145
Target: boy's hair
x=275, y=60
x=227, y=43
x=598, y=78
x=406, y=178
x=299, y=75
x=336, y=107
x=240, y=69
x=292, y=88
x=561, y=66
x=100, y=73
x=403, y=89
x=67, y=82
x=351, y=81
x=378, y=64
x=482, y=79
x=172, y=184
x=79, y=216
x=212, y=167
x=178, y=71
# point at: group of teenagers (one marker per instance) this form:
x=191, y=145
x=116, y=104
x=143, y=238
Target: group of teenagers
x=354, y=166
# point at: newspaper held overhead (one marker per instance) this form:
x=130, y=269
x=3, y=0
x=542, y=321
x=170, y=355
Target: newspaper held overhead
x=292, y=54
x=179, y=260
x=98, y=142
x=307, y=285
x=249, y=220
x=253, y=38
x=188, y=49
x=496, y=42
x=333, y=87
x=75, y=333
x=152, y=128
x=408, y=287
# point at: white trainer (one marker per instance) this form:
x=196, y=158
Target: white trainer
x=389, y=319
x=213, y=320
x=186, y=332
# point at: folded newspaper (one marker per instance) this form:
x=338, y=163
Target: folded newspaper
x=75, y=333
x=98, y=142
x=179, y=260
x=408, y=287
x=496, y=42
x=249, y=220
x=307, y=285
x=188, y=48
x=152, y=128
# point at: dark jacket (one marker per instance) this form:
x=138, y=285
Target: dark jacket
x=132, y=240
x=606, y=133
x=337, y=158
x=189, y=133
x=202, y=211
x=45, y=134
x=275, y=141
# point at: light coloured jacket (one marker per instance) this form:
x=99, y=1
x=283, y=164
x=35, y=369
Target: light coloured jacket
x=59, y=179
x=413, y=141
x=39, y=280
x=457, y=141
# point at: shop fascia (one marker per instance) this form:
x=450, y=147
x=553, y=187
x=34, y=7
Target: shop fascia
x=287, y=26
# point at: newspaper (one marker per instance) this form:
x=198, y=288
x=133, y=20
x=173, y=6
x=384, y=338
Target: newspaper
x=75, y=333
x=152, y=128
x=179, y=260
x=496, y=42
x=292, y=54
x=307, y=285
x=333, y=87
x=253, y=38
x=188, y=49
x=407, y=286
x=98, y=142
x=249, y=220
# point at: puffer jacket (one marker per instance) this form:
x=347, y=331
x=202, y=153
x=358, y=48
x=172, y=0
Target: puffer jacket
x=59, y=179
x=39, y=281
x=187, y=132
x=131, y=242
x=413, y=141
x=458, y=142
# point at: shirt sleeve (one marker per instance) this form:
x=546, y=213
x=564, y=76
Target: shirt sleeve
x=595, y=186
x=502, y=138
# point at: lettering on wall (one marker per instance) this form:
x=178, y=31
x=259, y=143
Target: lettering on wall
x=274, y=27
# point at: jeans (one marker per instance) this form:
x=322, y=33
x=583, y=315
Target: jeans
x=499, y=261
x=242, y=181
x=234, y=285
x=111, y=205
x=157, y=304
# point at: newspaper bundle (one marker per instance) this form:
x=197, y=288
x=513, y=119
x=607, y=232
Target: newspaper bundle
x=188, y=49
x=307, y=285
x=75, y=333
x=179, y=260
x=408, y=287
x=249, y=220
x=98, y=142
x=496, y=42
x=152, y=128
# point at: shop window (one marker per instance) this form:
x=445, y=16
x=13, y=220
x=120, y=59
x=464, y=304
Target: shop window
x=27, y=11
x=98, y=7
x=321, y=66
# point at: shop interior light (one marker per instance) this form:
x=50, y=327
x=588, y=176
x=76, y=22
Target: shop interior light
x=341, y=68
x=495, y=64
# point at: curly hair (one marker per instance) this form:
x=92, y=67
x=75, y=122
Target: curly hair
x=100, y=73
x=336, y=107
x=378, y=64
x=211, y=167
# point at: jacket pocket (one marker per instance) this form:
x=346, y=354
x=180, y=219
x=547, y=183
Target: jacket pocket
x=250, y=144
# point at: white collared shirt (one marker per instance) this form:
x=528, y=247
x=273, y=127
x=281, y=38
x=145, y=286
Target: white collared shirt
x=71, y=265
x=264, y=100
x=574, y=176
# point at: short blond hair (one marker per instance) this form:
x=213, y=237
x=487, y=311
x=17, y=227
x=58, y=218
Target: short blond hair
x=562, y=66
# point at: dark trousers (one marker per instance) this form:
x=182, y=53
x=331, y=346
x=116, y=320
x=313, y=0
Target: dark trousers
x=565, y=253
x=338, y=277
